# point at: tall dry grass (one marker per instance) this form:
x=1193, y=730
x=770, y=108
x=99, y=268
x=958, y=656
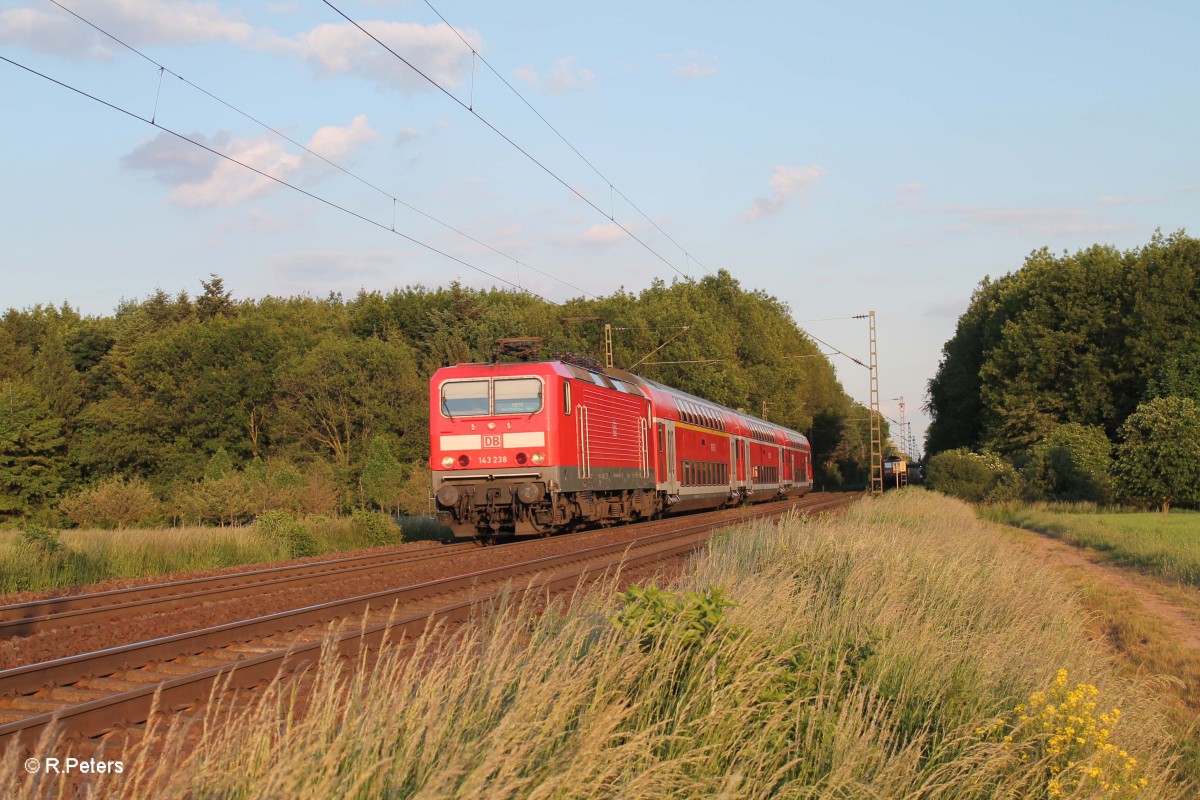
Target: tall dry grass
x=76, y=557
x=90, y=555
x=881, y=653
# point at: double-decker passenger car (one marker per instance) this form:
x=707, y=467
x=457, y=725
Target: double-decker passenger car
x=551, y=446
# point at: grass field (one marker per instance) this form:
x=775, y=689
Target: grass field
x=53, y=560
x=902, y=649
x=1166, y=545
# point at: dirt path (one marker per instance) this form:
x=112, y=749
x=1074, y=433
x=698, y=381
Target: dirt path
x=1152, y=625
x=1177, y=607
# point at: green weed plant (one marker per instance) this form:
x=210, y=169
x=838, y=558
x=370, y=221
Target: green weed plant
x=864, y=655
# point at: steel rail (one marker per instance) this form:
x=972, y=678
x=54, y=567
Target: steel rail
x=94, y=717
x=29, y=678
x=24, y=619
x=34, y=616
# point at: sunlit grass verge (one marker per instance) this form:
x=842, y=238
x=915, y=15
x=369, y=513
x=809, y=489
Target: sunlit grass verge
x=1166, y=545
x=888, y=652
x=37, y=559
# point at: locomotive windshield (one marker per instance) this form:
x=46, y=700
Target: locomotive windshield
x=465, y=398
x=518, y=395
x=484, y=397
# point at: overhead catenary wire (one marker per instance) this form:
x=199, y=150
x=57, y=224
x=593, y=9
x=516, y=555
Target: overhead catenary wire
x=836, y=350
x=827, y=319
x=689, y=361
x=268, y=176
x=611, y=187
x=395, y=200
x=470, y=110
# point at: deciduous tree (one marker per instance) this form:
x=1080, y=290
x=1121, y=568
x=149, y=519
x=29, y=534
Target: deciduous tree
x=1158, y=460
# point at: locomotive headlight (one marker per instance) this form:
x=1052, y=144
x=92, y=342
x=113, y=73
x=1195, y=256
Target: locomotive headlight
x=538, y=458
x=447, y=461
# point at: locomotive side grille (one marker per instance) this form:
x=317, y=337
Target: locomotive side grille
x=613, y=428
x=582, y=446
x=644, y=445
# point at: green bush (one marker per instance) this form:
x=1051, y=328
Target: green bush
x=280, y=528
x=974, y=477
x=1071, y=464
x=113, y=503
x=376, y=527
x=41, y=537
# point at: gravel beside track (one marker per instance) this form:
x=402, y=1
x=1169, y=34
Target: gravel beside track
x=29, y=627
x=101, y=631
x=285, y=629
x=152, y=580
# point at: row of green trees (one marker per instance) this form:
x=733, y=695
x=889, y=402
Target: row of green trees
x=201, y=402
x=1156, y=462
x=1082, y=372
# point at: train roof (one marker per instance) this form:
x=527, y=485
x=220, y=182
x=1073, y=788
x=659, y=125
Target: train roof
x=754, y=427
x=623, y=381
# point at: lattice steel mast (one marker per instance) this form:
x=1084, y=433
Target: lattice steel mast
x=876, y=419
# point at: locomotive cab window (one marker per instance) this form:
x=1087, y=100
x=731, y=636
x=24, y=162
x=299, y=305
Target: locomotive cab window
x=566, y=397
x=517, y=395
x=465, y=398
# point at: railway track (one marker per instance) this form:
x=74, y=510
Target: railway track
x=26, y=619
x=92, y=693
x=114, y=606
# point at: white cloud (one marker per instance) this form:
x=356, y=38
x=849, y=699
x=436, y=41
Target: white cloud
x=138, y=22
x=1038, y=221
x=563, y=77
x=785, y=184
x=602, y=233
x=910, y=194
x=691, y=65
x=334, y=143
x=333, y=49
x=600, y=236
x=201, y=179
x=51, y=33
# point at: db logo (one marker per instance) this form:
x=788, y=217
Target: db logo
x=491, y=441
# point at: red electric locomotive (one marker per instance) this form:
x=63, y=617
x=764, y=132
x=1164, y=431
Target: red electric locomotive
x=552, y=446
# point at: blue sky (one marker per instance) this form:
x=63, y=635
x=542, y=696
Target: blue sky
x=841, y=156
